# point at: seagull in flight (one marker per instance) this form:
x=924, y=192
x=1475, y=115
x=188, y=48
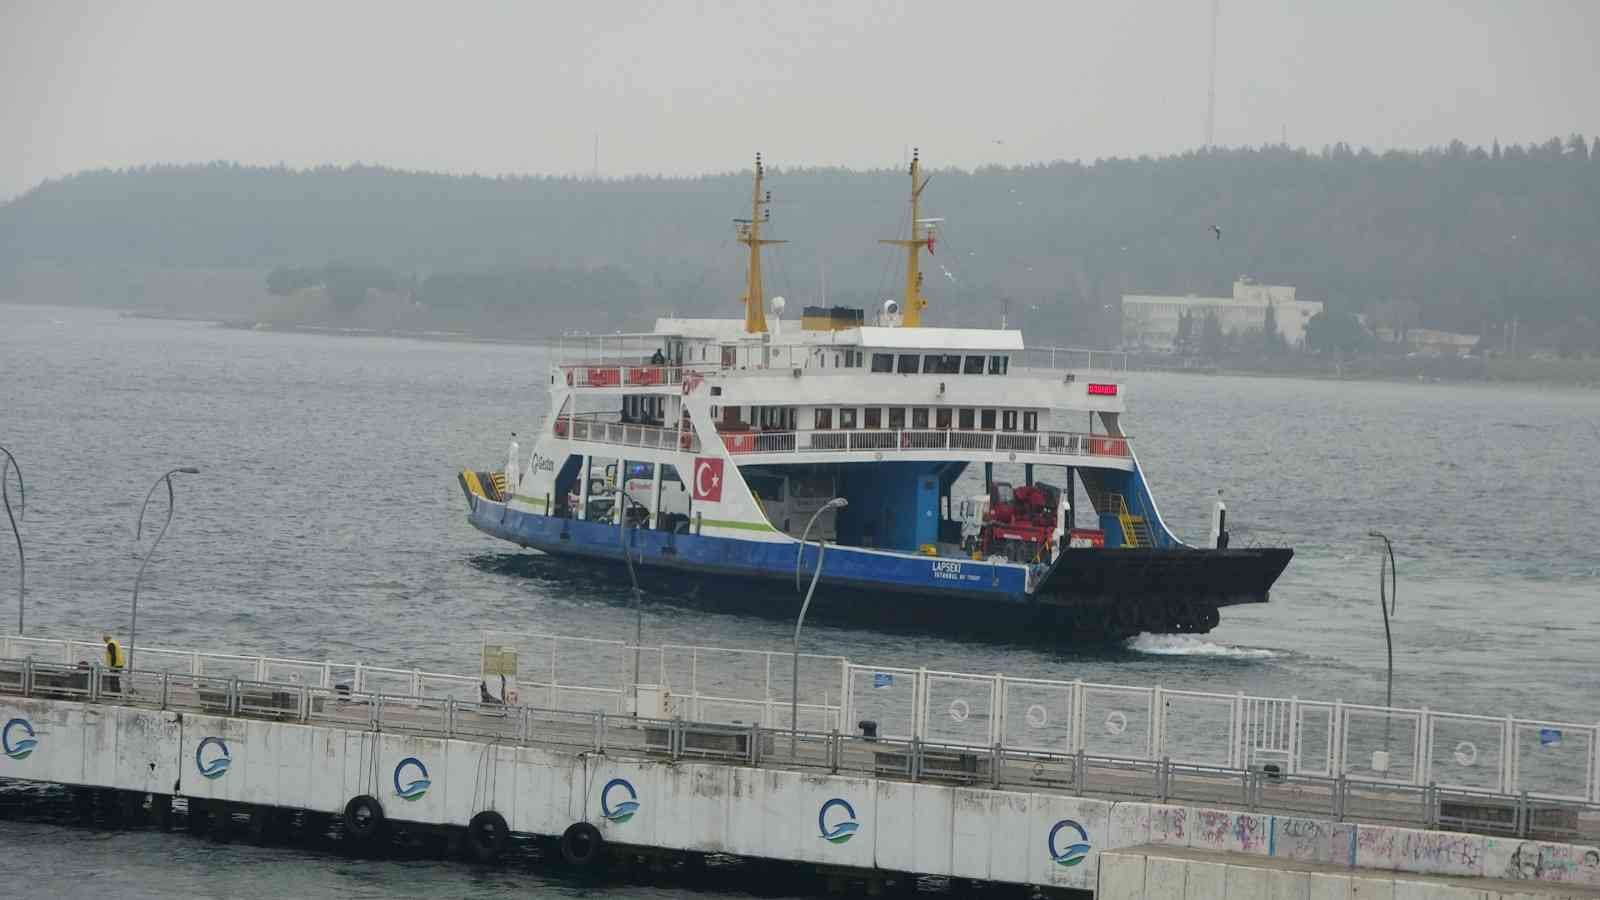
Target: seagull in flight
x=1218, y=230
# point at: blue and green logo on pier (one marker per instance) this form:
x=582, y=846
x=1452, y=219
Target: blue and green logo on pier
x=1074, y=853
x=417, y=786
x=17, y=739
x=218, y=764
x=624, y=810
x=843, y=829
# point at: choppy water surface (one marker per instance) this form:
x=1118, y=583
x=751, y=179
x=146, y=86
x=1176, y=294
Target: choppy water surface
x=327, y=523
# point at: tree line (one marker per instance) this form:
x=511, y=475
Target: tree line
x=1457, y=237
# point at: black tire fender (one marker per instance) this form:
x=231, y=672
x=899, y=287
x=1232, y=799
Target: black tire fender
x=488, y=836
x=363, y=817
x=582, y=845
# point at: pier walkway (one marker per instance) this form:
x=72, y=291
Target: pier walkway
x=1019, y=781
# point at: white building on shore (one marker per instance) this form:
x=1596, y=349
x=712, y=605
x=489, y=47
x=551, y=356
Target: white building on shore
x=1151, y=322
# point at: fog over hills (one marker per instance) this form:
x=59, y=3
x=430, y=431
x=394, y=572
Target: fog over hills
x=1457, y=238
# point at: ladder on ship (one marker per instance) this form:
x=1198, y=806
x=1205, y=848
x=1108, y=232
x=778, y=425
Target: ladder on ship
x=1135, y=530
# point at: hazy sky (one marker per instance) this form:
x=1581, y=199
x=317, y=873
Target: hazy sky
x=685, y=87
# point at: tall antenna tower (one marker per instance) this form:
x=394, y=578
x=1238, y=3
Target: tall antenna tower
x=1211, y=93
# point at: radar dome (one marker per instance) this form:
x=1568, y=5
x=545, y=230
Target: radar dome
x=891, y=307
x=777, y=305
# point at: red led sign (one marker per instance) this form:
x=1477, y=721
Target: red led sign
x=1103, y=390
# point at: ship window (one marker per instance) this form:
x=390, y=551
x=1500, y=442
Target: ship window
x=908, y=363
x=768, y=487
x=997, y=364
x=973, y=366
x=824, y=418
x=967, y=417
x=820, y=486
x=941, y=417
x=1008, y=420
x=897, y=417
x=942, y=364
x=986, y=420
x=873, y=417
x=919, y=417
x=1030, y=421
x=847, y=417
x=883, y=362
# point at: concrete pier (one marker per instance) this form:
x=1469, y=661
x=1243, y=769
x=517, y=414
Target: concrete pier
x=1166, y=873
x=848, y=807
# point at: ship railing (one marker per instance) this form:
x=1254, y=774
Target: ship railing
x=1058, y=359
x=613, y=375
x=1359, y=761
x=627, y=434
x=1061, y=443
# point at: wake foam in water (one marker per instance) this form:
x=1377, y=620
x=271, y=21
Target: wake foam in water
x=1189, y=645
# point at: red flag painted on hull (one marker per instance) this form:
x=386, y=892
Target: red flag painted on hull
x=708, y=479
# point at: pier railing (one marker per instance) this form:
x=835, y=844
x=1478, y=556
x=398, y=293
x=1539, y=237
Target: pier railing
x=1350, y=760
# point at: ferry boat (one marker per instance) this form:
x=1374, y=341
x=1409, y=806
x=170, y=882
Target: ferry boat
x=723, y=452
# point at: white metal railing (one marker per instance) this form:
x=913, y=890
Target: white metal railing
x=1060, y=443
x=1058, y=359
x=1399, y=747
x=640, y=373
x=626, y=434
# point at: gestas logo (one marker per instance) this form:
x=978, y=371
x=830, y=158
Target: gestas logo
x=215, y=764
x=1073, y=853
x=625, y=808
x=17, y=739
x=418, y=785
x=845, y=824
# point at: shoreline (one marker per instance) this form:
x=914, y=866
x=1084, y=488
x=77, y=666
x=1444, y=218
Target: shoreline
x=1581, y=374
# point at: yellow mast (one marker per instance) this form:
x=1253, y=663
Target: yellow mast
x=749, y=234
x=913, y=303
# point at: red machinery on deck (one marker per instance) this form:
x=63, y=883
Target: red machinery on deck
x=1020, y=522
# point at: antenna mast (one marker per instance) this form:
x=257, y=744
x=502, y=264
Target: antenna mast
x=912, y=304
x=749, y=234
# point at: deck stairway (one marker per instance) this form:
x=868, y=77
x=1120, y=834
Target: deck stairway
x=1135, y=530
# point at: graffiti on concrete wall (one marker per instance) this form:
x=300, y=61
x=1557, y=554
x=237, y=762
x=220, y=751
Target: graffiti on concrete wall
x=1219, y=829
x=1536, y=861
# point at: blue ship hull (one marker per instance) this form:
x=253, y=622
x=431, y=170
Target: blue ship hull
x=704, y=555
x=1088, y=594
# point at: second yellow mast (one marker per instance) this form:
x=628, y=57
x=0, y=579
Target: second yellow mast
x=913, y=303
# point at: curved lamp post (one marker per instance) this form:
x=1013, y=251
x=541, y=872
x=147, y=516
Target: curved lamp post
x=133, y=625
x=822, y=547
x=638, y=598
x=1388, y=601
x=22, y=510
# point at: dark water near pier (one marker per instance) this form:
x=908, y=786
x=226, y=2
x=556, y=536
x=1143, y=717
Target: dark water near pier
x=327, y=523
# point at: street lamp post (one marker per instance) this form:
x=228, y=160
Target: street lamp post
x=22, y=511
x=138, y=532
x=1388, y=601
x=822, y=548
x=625, y=498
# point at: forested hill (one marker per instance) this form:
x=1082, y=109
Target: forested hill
x=1464, y=238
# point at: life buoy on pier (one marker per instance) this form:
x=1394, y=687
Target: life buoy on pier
x=582, y=846
x=488, y=836
x=363, y=818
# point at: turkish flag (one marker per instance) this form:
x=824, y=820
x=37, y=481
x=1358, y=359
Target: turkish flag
x=708, y=479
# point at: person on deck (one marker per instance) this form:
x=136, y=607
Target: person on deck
x=658, y=358
x=114, y=661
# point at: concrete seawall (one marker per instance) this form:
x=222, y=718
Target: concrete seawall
x=555, y=778
x=1165, y=873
